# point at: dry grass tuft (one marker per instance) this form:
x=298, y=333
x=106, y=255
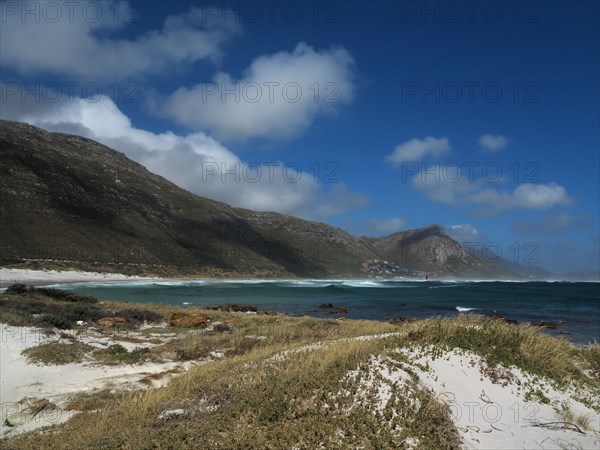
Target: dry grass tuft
x=58, y=353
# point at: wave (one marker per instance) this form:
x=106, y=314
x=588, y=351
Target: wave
x=366, y=283
x=293, y=283
x=445, y=286
x=464, y=309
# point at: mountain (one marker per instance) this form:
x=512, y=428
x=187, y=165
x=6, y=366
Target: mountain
x=68, y=201
x=432, y=252
x=581, y=276
x=529, y=271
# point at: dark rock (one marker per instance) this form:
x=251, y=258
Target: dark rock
x=398, y=320
x=496, y=316
x=326, y=305
x=234, y=308
x=338, y=310
x=546, y=324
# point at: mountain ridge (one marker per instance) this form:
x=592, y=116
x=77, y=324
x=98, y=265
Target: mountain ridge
x=71, y=200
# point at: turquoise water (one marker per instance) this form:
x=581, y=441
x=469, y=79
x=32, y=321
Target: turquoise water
x=577, y=305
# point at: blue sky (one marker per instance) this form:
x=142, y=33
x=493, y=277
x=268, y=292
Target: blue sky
x=373, y=116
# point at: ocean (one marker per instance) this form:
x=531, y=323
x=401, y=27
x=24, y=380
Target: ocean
x=575, y=304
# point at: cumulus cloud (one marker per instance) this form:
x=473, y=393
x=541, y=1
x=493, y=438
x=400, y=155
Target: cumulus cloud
x=76, y=38
x=493, y=143
x=386, y=226
x=417, y=149
x=471, y=238
x=278, y=96
x=196, y=161
x=526, y=195
x=444, y=184
x=462, y=232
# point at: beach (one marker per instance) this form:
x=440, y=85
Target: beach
x=490, y=405
x=563, y=309
x=39, y=277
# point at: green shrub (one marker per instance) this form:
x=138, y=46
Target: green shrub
x=116, y=350
x=19, y=288
x=118, y=353
x=65, y=296
x=61, y=322
x=55, y=294
x=139, y=316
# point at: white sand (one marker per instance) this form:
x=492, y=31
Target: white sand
x=21, y=380
x=8, y=276
x=497, y=415
x=489, y=414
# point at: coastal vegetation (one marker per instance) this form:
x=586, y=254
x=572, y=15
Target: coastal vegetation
x=272, y=381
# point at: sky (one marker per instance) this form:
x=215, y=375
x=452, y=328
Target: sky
x=377, y=117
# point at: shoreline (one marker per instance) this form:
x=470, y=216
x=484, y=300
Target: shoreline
x=569, y=330
x=493, y=398
x=41, y=277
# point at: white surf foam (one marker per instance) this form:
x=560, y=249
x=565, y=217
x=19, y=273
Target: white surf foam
x=464, y=309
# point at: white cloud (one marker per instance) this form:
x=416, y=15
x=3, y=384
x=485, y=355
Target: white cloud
x=442, y=184
x=493, y=143
x=462, y=232
x=75, y=38
x=387, y=226
x=468, y=236
x=417, y=149
x=278, y=96
x=195, y=161
x=526, y=195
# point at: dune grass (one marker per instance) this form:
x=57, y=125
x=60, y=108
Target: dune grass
x=57, y=353
x=282, y=382
x=498, y=342
x=255, y=401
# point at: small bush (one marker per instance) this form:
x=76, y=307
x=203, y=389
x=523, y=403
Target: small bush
x=65, y=296
x=19, y=288
x=192, y=352
x=221, y=327
x=61, y=322
x=55, y=294
x=139, y=316
x=28, y=306
x=85, y=312
x=119, y=354
x=58, y=353
x=116, y=350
